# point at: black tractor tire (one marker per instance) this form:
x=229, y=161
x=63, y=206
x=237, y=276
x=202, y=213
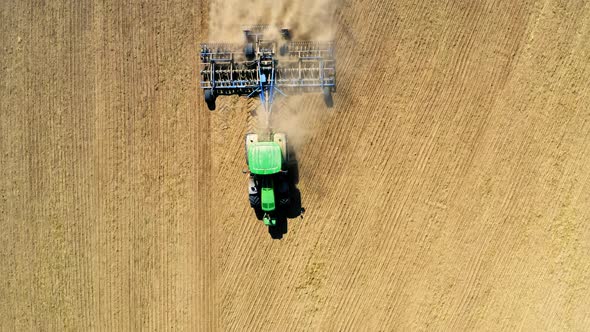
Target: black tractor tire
x=249, y=51
x=286, y=34
x=254, y=201
x=284, y=201
x=210, y=99
x=328, y=97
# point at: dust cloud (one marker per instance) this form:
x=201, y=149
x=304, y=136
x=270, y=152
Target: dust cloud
x=307, y=20
x=300, y=116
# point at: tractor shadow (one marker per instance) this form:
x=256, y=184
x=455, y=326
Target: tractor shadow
x=294, y=209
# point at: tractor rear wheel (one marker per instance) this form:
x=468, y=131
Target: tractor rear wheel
x=254, y=201
x=210, y=99
x=284, y=201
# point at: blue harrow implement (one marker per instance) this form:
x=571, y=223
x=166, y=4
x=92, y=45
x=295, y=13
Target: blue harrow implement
x=261, y=67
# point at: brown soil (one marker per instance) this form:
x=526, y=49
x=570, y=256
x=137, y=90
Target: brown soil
x=449, y=188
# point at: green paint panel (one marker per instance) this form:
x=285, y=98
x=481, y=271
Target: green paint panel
x=267, y=199
x=264, y=158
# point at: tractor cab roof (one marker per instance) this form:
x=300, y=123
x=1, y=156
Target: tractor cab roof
x=264, y=158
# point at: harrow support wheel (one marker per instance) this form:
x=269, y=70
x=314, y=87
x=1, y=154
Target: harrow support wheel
x=328, y=97
x=284, y=50
x=210, y=99
x=249, y=51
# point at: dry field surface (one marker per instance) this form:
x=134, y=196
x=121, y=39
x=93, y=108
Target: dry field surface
x=448, y=189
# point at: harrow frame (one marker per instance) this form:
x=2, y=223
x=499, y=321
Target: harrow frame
x=261, y=67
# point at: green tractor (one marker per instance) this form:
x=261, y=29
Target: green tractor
x=268, y=189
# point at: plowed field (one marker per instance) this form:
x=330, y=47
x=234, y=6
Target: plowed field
x=448, y=189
